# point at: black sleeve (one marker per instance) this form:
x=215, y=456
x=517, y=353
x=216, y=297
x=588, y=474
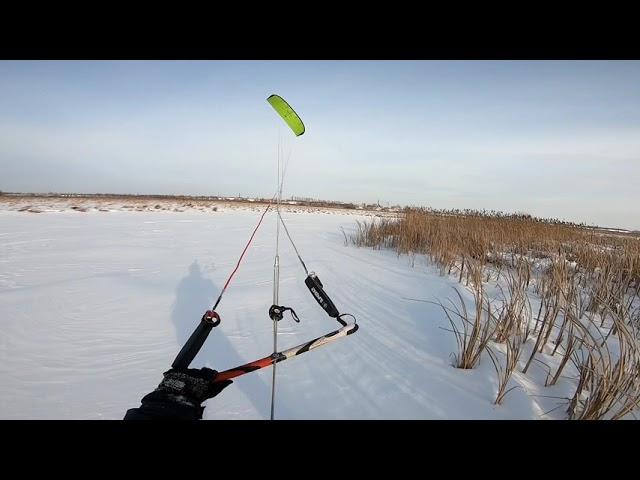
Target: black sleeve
x=162, y=406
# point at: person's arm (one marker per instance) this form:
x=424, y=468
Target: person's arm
x=179, y=396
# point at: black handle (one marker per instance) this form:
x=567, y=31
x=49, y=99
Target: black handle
x=196, y=340
x=315, y=286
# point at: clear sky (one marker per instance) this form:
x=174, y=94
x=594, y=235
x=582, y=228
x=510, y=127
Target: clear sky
x=556, y=138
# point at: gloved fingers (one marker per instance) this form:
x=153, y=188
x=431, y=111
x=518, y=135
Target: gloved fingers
x=195, y=382
x=201, y=373
x=204, y=373
x=216, y=388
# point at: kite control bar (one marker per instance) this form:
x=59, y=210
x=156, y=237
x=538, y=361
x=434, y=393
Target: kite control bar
x=211, y=319
x=274, y=358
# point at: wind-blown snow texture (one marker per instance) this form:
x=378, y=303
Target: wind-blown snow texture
x=94, y=307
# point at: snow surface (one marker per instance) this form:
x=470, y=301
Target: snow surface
x=95, y=305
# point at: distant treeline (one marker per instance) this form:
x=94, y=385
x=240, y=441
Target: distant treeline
x=290, y=201
x=314, y=202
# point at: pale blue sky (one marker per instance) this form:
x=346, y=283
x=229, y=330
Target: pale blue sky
x=556, y=138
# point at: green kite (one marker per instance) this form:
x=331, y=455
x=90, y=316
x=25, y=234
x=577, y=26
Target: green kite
x=287, y=113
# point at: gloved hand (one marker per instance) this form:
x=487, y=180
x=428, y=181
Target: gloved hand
x=179, y=395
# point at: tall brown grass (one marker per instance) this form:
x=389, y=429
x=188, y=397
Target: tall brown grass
x=472, y=330
x=586, y=282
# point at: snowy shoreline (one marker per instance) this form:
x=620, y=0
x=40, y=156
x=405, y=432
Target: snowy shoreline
x=47, y=204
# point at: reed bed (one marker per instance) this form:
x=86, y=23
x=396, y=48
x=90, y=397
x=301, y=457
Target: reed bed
x=586, y=283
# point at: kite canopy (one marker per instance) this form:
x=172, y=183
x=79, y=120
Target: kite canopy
x=287, y=113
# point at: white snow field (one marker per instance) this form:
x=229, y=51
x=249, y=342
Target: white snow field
x=95, y=305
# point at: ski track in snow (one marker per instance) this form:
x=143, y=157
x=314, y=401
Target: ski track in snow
x=95, y=306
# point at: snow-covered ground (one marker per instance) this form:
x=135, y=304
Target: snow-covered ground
x=95, y=305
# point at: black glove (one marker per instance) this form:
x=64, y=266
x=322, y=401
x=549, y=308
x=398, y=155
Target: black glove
x=179, y=395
